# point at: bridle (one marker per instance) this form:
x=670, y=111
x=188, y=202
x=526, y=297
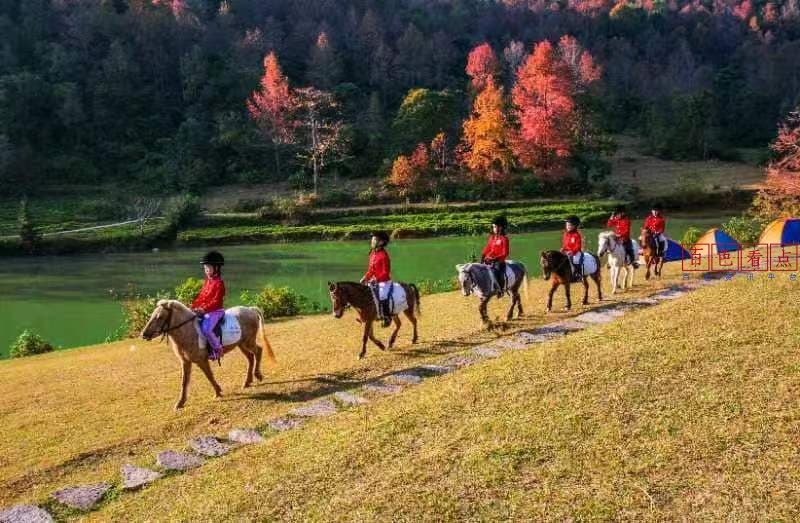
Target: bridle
x=607, y=245
x=467, y=289
x=547, y=257
x=166, y=328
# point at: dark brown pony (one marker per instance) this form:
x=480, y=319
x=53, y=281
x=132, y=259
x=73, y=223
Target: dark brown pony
x=649, y=249
x=361, y=298
x=556, y=264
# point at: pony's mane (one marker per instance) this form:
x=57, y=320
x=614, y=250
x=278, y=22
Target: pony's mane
x=173, y=304
x=606, y=234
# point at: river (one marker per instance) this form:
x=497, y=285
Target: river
x=67, y=299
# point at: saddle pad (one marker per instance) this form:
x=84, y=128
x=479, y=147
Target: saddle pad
x=589, y=264
x=231, y=330
x=399, y=300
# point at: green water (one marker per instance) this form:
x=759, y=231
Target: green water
x=66, y=299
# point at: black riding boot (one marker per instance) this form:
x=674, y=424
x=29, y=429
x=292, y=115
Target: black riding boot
x=386, y=313
x=500, y=276
x=577, y=272
x=630, y=254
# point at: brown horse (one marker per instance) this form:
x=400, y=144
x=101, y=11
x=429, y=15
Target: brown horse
x=556, y=264
x=649, y=249
x=361, y=298
x=174, y=320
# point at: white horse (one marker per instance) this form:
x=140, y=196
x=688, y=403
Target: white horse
x=608, y=243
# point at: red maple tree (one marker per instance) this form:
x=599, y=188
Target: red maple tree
x=482, y=64
x=271, y=106
x=780, y=194
x=544, y=106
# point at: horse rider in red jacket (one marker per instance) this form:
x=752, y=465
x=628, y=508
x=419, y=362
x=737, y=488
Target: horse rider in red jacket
x=208, y=303
x=621, y=224
x=496, y=252
x=571, y=245
x=379, y=274
x=657, y=224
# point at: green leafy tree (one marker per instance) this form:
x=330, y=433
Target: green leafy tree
x=422, y=115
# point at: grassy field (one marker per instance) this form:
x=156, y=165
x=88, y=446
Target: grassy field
x=602, y=424
x=655, y=177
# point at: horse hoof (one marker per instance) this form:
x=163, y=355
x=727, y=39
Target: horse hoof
x=361, y=356
x=178, y=406
x=260, y=377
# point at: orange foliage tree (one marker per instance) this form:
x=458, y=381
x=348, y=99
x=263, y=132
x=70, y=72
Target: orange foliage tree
x=485, y=148
x=410, y=174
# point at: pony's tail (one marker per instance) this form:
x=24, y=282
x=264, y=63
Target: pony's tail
x=417, y=302
x=267, y=347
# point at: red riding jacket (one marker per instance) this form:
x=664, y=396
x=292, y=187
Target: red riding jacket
x=571, y=243
x=656, y=224
x=622, y=227
x=211, y=295
x=379, y=266
x=496, y=248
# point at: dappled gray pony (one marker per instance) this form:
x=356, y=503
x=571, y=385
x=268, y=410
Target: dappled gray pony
x=177, y=322
x=478, y=278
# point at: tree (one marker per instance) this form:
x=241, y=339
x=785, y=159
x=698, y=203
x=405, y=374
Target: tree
x=545, y=111
x=482, y=65
x=271, y=105
x=324, y=67
x=28, y=235
x=410, y=173
x=143, y=209
x=486, y=144
x=422, y=115
x=439, y=151
x=780, y=194
x=320, y=130
x=514, y=54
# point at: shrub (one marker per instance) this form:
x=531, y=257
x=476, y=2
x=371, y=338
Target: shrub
x=691, y=236
x=250, y=205
x=337, y=198
x=181, y=210
x=292, y=212
x=186, y=291
x=275, y=302
x=744, y=229
x=28, y=344
x=367, y=196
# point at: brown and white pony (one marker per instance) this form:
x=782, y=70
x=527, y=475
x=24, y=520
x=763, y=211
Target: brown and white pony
x=556, y=267
x=176, y=322
x=361, y=298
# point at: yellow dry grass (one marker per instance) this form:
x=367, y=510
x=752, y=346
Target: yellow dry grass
x=602, y=424
x=656, y=177
x=77, y=415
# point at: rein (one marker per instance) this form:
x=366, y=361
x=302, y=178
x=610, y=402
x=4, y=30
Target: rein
x=166, y=328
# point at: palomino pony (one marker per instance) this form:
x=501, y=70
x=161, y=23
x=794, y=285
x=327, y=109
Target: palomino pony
x=556, y=264
x=608, y=242
x=649, y=249
x=176, y=321
x=478, y=278
x=362, y=299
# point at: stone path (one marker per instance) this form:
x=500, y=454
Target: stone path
x=87, y=497
x=135, y=477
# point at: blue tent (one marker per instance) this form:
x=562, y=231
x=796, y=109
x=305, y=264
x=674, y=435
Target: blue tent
x=675, y=252
x=784, y=231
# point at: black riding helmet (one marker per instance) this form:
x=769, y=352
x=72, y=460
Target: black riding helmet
x=657, y=207
x=213, y=258
x=501, y=221
x=381, y=236
x=574, y=220
x=619, y=209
